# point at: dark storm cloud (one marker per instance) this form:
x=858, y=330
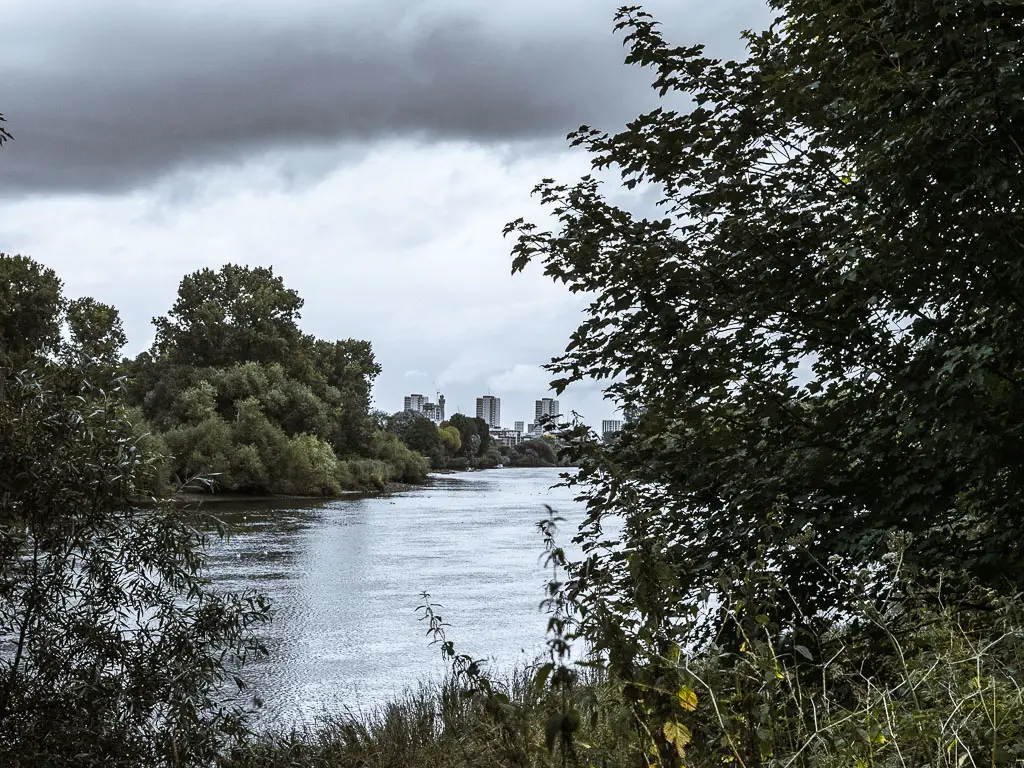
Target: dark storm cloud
x=112, y=99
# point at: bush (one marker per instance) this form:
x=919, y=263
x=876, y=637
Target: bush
x=201, y=450
x=457, y=463
x=154, y=471
x=309, y=468
x=405, y=465
x=363, y=474
x=113, y=649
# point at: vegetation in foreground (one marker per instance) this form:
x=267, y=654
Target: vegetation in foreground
x=820, y=558
x=947, y=697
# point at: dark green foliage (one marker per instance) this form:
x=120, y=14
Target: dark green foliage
x=112, y=647
x=490, y=458
x=822, y=333
x=31, y=304
x=242, y=397
x=96, y=330
x=237, y=314
x=33, y=311
x=406, y=465
x=818, y=338
x=416, y=431
x=474, y=434
x=442, y=725
x=539, y=452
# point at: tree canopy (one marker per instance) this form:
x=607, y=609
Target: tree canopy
x=96, y=329
x=31, y=303
x=820, y=327
x=235, y=389
x=234, y=314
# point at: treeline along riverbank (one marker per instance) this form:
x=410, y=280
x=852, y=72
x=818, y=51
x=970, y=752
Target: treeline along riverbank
x=234, y=397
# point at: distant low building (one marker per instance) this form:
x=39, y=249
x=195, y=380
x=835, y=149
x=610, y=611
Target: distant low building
x=520, y=427
x=507, y=437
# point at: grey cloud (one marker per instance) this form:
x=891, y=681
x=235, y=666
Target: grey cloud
x=112, y=99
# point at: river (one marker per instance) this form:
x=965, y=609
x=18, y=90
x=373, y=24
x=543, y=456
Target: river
x=345, y=579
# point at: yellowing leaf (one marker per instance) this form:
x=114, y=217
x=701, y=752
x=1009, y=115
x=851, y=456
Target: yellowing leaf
x=677, y=735
x=687, y=698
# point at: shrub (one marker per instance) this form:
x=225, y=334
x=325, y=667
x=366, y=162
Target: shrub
x=309, y=468
x=113, y=649
x=363, y=474
x=404, y=464
x=201, y=450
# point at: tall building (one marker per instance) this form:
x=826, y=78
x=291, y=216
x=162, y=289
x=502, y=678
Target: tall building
x=545, y=408
x=435, y=411
x=420, y=404
x=611, y=425
x=519, y=427
x=489, y=409
x=415, y=403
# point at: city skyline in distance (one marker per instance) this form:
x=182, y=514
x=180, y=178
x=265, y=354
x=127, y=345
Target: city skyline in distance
x=489, y=408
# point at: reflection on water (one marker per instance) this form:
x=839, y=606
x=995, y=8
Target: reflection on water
x=345, y=579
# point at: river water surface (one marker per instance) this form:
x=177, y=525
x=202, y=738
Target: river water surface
x=345, y=579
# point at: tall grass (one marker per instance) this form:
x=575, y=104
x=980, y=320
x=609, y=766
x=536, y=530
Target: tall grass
x=444, y=724
x=947, y=694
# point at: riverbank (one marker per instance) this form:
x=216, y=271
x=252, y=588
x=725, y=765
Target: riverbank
x=206, y=499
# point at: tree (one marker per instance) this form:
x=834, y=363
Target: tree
x=96, y=330
x=115, y=649
x=415, y=430
x=230, y=362
x=31, y=304
x=350, y=367
x=539, y=452
x=821, y=331
x=451, y=440
x=423, y=436
x=234, y=315
x=474, y=434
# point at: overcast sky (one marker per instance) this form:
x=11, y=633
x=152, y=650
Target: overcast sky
x=369, y=151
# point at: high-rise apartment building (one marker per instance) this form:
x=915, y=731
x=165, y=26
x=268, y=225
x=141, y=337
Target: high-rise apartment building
x=435, y=411
x=489, y=409
x=545, y=408
x=519, y=427
x=415, y=403
x=611, y=425
x=420, y=404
